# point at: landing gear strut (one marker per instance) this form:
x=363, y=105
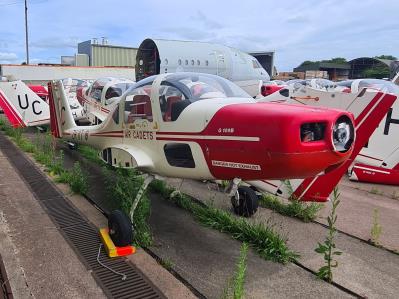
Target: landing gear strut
x=120, y=225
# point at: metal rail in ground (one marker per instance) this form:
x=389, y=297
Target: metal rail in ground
x=80, y=233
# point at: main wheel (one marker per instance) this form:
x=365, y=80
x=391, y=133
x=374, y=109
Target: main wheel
x=120, y=228
x=247, y=203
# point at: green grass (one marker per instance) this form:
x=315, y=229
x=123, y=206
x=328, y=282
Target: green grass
x=376, y=191
x=328, y=248
x=166, y=263
x=239, y=277
x=262, y=238
x=295, y=208
x=235, y=285
x=77, y=179
x=90, y=154
x=43, y=150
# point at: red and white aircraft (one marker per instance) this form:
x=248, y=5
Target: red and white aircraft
x=99, y=98
x=26, y=106
x=369, y=107
x=201, y=126
x=378, y=161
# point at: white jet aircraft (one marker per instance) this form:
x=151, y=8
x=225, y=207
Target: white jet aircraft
x=159, y=56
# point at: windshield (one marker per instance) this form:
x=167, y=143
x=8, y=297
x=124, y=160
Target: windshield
x=346, y=83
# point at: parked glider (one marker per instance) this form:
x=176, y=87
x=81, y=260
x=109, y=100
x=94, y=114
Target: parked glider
x=201, y=126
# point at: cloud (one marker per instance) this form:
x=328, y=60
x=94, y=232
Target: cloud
x=55, y=43
x=190, y=33
x=205, y=21
x=298, y=20
x=8, y=57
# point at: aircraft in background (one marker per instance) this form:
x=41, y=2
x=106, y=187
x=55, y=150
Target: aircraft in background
x=40, y=90
x=24, y=108
x=378, y=161
x=395, y=79
x=159, y=56
x=99, y=98
x=370, y=107
x=201, y=126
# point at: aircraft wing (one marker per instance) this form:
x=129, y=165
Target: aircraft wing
x=126, y=156
x=100, y=116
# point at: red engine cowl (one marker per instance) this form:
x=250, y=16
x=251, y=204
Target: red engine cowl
x=277, y=141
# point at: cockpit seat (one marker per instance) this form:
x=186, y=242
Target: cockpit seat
x=113, y=92
x=169, y=102
x=141, y=108
x=178, y=107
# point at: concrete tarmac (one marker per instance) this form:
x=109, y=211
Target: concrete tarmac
x=40, y=263
x=207, y=259
x=367, y=270
x=38, y=260
x=356, y=211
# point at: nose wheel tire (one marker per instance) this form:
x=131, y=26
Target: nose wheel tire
x=247, y=203
x=120, y=228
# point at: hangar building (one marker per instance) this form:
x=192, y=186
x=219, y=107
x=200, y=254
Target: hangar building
x=92, y=53
x=335, y=71
x=373, y=67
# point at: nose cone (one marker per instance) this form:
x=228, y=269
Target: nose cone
x=293, y=141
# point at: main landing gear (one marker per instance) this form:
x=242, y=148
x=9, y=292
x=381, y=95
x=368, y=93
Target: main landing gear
x=243, y=199
x=120, y=225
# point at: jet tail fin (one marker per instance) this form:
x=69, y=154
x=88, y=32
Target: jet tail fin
x=60, y=112
x=319, y=188
x=22, y=106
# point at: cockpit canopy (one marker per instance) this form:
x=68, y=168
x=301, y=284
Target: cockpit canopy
x=111, y=87
x=193, y=86
x=176, y=92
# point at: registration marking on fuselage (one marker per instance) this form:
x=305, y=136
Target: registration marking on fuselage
x=236, y=165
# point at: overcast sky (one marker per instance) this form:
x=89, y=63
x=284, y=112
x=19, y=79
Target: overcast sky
x=296, y=30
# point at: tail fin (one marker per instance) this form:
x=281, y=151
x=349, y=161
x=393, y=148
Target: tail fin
x=60, y=112
x=22, y=106
x=319, y=188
